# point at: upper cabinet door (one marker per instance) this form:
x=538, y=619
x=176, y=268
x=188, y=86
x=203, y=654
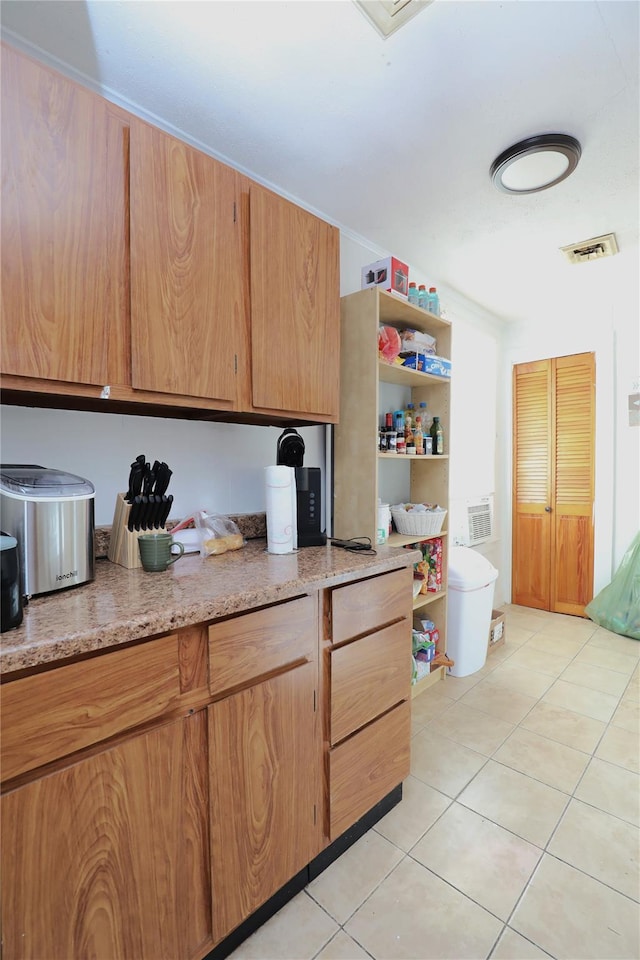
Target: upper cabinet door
x=64, y=280
x=187, y=298
x=295, y=309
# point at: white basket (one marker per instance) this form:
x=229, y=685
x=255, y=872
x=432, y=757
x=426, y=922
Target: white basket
x=423, y=524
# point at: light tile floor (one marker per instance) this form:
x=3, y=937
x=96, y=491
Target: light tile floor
x=518, y=834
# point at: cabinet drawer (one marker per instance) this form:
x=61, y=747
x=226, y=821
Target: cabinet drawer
x=51, y=715
x=255, y=644
x=358, y=608
x=368, y=677
x=364, y=768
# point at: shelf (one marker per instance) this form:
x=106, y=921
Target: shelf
x=393, y=373
x=424, y=599
x=428, y=681
x=413, y=458
x=402, y=539
x=393, y=310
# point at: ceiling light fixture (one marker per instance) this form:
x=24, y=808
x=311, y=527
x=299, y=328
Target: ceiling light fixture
x=387, y=16
x=536, y=163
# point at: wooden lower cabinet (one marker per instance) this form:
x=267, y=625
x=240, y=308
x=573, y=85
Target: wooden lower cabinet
x=108, y=858
x=150, y=827
x=368, y=677
x=368, y=680
x=368, y=765
x=264, y=785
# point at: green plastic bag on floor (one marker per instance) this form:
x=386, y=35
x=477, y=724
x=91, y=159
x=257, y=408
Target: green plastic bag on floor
x=617, y=606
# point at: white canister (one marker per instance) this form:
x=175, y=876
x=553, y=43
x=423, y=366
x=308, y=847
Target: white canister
x=384, y=523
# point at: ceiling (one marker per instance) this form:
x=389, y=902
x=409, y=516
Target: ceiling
x=393, y=139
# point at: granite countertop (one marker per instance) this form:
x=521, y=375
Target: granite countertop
x=122, y=605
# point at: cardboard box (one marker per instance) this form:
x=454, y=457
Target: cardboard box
x=439, y=366
x=388, y=274
x=497, y=630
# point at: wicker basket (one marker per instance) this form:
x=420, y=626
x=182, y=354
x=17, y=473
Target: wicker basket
x=422, y=524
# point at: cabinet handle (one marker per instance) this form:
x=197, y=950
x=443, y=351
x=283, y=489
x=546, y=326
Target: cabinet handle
x=547, y=509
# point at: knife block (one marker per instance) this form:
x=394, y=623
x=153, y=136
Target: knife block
x=123, y=545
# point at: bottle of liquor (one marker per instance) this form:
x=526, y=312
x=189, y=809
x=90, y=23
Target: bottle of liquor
x=437, y=436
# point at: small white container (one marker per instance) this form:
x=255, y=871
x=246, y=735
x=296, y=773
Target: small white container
x=384, y=523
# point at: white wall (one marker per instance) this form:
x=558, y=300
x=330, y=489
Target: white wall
x=613, y=334
x=218, y=466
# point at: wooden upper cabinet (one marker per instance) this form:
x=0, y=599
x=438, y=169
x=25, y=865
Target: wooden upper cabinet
x=64, y=229
x=295, y=309
x=188, y=313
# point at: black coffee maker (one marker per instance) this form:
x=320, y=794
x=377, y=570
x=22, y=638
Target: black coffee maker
x=11, y=595
x=290, y=453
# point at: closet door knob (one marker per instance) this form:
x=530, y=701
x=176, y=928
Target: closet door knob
x=547, y=509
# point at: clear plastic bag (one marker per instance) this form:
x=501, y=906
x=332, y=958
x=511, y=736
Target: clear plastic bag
x=217, y=533
x=617, y=606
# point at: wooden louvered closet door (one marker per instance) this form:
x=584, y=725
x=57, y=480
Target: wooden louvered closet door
x=553, y=484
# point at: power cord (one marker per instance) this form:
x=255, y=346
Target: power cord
x=356, y=545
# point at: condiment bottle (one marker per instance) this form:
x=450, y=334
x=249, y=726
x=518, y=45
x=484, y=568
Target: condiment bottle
x=408, y=423
x=418, y=436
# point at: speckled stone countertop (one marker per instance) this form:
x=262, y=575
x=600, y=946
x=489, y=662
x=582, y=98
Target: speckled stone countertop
x=122, y=605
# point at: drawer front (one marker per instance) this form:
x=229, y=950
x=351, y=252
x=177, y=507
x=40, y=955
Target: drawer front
x=51, y=715
x=358, y=608
x=368, y=677
x=364, y=768
x=254, y=644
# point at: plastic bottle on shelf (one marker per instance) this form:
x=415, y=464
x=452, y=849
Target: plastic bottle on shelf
x=433, y=302
x=413, y=293
x=399, y=425
x=422, y=296
x=409, y=415
x=422, y=411
x=418, y=435
x=437, y=436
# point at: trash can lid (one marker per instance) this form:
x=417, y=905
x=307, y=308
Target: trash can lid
x=469, y=570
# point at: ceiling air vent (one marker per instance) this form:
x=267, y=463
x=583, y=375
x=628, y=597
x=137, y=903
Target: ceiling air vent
x=388, y=15
x=594, y=249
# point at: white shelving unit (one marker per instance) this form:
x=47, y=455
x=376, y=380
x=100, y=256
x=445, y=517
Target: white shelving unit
x=361, y=473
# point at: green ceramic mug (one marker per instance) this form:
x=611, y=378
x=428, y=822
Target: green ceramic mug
x=155, y=551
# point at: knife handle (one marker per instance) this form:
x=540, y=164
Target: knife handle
x=166, y=510
x=137, y=511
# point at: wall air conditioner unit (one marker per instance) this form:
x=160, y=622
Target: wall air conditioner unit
x=474, y=522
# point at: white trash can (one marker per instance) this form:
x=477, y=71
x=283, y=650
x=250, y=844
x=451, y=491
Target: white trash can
x=471, y=585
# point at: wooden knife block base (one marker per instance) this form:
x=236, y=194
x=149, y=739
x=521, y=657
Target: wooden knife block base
x=123, y=545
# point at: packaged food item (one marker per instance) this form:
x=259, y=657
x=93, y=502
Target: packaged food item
x=415, y=341
x=388, y=343
x=217, y=533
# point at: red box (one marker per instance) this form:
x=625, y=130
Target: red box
x=389, y=274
